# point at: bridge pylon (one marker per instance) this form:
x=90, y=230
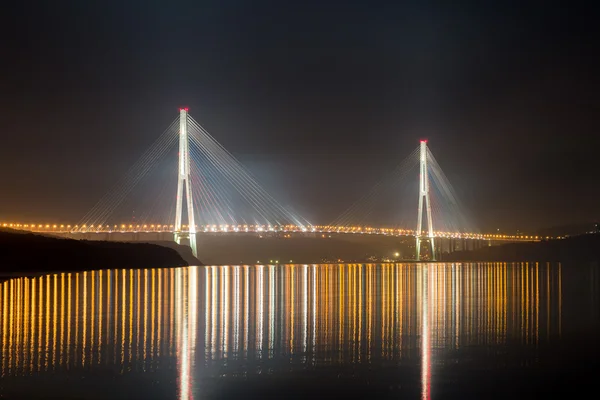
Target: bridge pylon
x=424, y=194
x=183, y=178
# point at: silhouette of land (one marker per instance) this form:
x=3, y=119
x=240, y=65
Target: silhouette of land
x=569, y=230
x=23, y=253
x=575, y=248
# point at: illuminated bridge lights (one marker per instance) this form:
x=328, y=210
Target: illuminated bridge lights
x=225, y=228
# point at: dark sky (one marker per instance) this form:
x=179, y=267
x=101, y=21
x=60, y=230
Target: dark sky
x=318, y=98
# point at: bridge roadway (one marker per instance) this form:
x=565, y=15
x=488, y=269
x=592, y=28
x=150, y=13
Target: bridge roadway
x=130, y=230
x=235, y=245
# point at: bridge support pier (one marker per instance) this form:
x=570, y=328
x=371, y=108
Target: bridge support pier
x=187, y=239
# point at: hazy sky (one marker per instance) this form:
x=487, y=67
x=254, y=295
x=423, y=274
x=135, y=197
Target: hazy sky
x=316, y=97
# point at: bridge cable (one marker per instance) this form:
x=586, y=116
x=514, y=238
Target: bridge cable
x=240, y=177
x=106, y=205
x=362, y=208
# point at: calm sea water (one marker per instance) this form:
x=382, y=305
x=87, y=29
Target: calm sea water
x=481, y=330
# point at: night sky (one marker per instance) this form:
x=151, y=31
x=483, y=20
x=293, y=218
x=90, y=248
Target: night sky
x=317, y=98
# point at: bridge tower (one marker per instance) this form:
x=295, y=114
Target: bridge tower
x=183, y=177
x=424, y=194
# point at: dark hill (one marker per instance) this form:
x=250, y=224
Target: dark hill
x=27, y=253
x=576, y=248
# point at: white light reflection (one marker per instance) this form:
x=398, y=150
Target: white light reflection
x=425, y=339
x=186, y=317
x=236, y=309
x=261, y=302
x=182, y=337
x=271, y=309
x=193, y=304
x=207, y=307
x=246, y=310
x=214, y=304
x=186, y=312
x=222, y=310
x=314, y=308
x=225, y=316
x=305, y=309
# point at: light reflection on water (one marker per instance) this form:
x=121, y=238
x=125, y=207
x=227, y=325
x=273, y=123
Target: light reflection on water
x=187, y=330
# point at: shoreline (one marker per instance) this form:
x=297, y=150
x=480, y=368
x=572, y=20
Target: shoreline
x=24, y=254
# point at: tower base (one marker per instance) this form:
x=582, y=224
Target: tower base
x=419, y=240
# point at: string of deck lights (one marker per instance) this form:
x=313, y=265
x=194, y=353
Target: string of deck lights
x=242, y=228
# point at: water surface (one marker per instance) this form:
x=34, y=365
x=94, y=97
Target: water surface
x=480, y=330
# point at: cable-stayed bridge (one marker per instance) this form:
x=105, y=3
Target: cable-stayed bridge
x=187, y=183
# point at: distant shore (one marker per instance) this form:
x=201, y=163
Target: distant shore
x=581, y=248
x=28, y=254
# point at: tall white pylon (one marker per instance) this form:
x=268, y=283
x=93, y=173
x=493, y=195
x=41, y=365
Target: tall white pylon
x=184, y=176
x=424, y=193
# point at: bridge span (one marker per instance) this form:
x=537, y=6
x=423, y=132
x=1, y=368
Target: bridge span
x=258, y=246
x=130, y=230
